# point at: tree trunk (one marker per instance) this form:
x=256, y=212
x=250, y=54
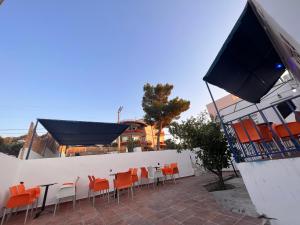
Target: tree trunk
x=158, y=137
x=221, y=180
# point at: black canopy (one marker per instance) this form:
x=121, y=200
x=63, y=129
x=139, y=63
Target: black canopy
x=247, y=66
x=82, y=133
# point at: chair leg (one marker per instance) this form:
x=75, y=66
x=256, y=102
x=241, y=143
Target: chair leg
x=93, y=199
x=89, y=193
x=9, y=214
x=26, y=214
x=3, y=216
x=74, y=202
x=55, y=207
x=31, y=211
x=131, y=193
x=107, y=195
x=118, y=193
x=37, y=203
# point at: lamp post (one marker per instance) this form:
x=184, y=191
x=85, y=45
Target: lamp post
x=119, y=138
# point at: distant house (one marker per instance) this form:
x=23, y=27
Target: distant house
x=144, y=135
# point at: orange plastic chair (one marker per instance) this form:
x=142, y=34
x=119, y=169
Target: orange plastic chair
x=92, y=180
x=123, y=181
x=265, y=132
x=144, y=175
x=34, y=192
x=168, y=171
x=134, y=175
x=249, y=126
x=294, y=127
x=16, y=201
x=98, y=185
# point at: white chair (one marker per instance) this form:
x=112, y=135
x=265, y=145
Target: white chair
x=155, y=174
x=67, y=190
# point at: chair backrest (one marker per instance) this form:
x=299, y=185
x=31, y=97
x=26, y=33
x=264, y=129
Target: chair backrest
x=144, y=172
x=19, y=200
x=265, y=132
x=151, y=172
x=174, y=168
x=21, y=188
x=13, y=190
x=90, y=178
x=123, y=179
x=133, y=171
x=173, y=165
x=294, y=128
x=66, y=191
x=249, y=126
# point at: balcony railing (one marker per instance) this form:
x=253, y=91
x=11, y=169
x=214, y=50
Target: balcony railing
x=265, y=133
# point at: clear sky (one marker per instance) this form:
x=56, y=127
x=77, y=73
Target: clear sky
x=81, y=60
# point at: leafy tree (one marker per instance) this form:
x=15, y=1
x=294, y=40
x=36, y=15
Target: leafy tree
x=159, y=110
x=200, y=133
x=131, y=144
x=170, y=144
x=10, y=146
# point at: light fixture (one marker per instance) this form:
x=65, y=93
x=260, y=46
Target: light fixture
x=278, y=66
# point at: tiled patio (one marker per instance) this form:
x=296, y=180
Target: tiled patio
x=186, y=202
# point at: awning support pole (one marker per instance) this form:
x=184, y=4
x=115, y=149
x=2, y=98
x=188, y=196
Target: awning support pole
x=222, y=124
x=31, y=141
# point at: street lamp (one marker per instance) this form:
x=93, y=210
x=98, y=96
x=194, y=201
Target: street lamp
x=119, y=138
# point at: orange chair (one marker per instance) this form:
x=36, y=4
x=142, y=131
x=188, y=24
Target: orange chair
x=34, y=192
x=92, y=179
x=294, y=128
x=168, y=171
x=257, y=133
x=123, y=181
x=18, y=200
x=249, y=126
x=98, y=185
x=175, y=170
x=144, y=174
x=134, y=175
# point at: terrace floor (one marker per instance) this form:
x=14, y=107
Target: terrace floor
x=185, y=203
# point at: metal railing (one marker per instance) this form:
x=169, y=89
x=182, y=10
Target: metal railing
x=248, y=143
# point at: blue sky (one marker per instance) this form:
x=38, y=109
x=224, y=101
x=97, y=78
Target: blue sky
x=82, y=60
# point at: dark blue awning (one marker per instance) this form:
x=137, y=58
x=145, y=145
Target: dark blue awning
x=67, y=132
x=248, y=65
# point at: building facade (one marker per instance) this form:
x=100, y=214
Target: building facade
x=142, y=134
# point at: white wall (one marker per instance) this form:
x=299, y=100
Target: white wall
x=60, y=170
x=34, y=155
x=274, y=188
x=9, y=167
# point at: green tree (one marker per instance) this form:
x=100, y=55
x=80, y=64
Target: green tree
x=206, y=136
x=159, y=110
x=131, y=144
x=170, y=144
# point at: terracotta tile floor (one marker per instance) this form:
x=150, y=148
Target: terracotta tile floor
x=185, y=203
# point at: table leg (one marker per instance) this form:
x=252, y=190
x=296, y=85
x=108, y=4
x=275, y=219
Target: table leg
x=44, y=203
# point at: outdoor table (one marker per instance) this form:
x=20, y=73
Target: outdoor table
x=45, y=198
